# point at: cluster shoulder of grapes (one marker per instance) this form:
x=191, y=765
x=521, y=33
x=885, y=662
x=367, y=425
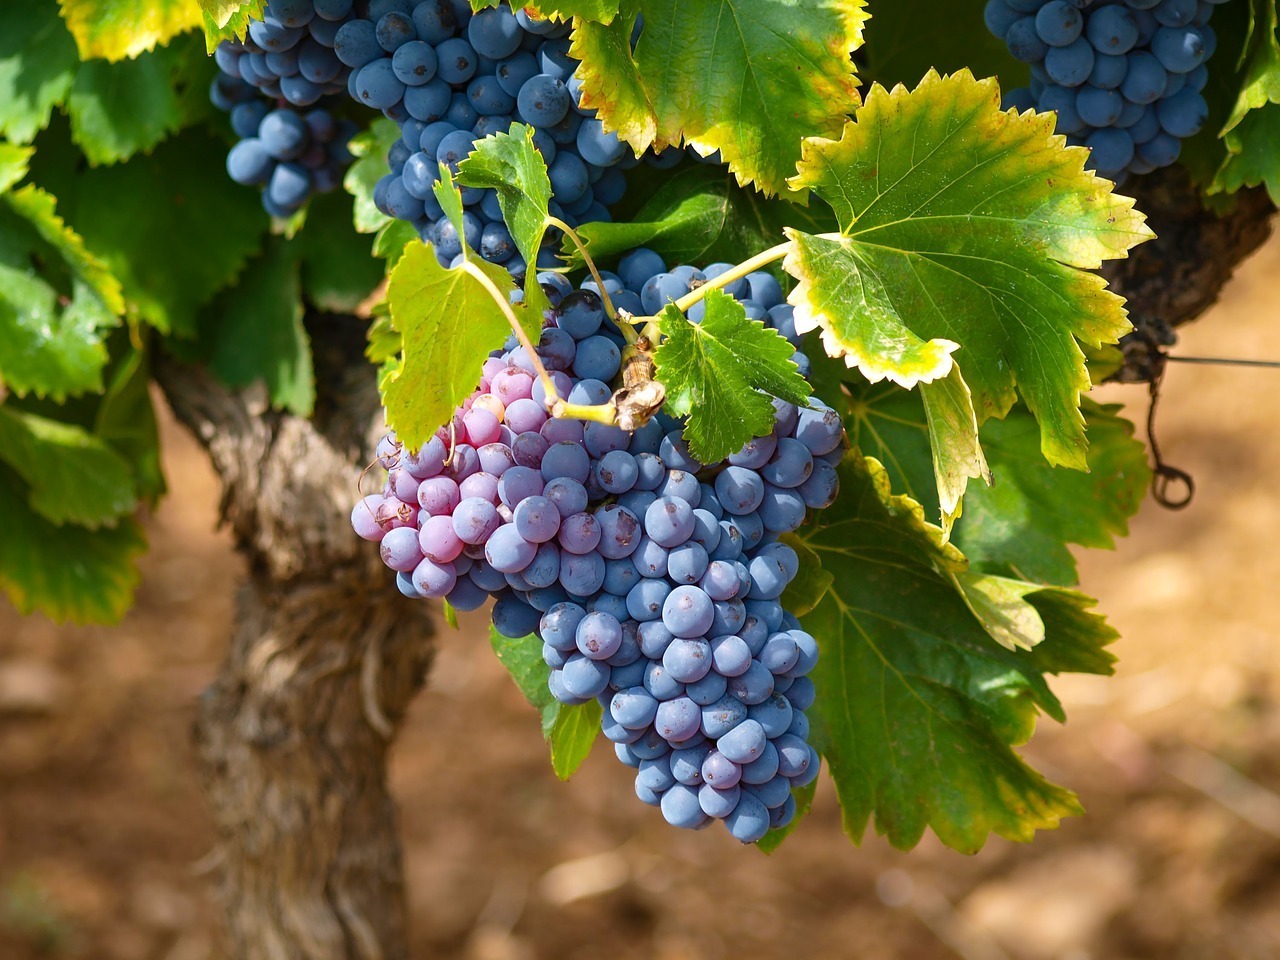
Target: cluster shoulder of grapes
x=1123, y=76
x=653, y=580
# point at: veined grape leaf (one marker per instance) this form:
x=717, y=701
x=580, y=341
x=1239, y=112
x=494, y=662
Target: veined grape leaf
x=72, y=476
x=953, y=434
x=118, y=109
x=13, y=163
x=698, y=214
x=254, y=331
x=56, y=299
x=199, y=230
x=1021, y=525
x=969, y=227
x=723, y=373
x=116, y=29
x=510, y=165
x=37, y=63
x=918, y=708
x=370, y=149
x=570, y=731
x=449, y=322
x=750, y=80
x=1252, y=131
x=67, y=572
x=228, y=19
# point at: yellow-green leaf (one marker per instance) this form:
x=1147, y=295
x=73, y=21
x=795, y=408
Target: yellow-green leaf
x=116, y=29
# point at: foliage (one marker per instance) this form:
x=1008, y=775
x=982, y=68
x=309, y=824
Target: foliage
x=942, y=251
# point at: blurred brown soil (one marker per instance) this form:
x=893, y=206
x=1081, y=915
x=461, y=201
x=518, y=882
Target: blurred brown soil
x=105, y=845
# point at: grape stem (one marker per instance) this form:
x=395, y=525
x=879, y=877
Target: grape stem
x=591, y=265
x=762, y=259
x=548, y=384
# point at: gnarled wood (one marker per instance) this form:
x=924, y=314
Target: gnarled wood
x=325, y=659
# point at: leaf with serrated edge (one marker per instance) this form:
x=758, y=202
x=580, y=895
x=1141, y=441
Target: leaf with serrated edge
x=370, y=149
x=964, y=225
x=184, y=187
x=449, y=323
x=749, y=80
x=115, y=29
x=510, y=165
x=953, y=434
x=37, y=64
x=73, y=477
x=228, y=19
x=722, y=374
x=570, y=731
x=601, y=10
x=68, y=573
x=697, y=213
x=918, y=708
x=13, y=163
x=118, y=109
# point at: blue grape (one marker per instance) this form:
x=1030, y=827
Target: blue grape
x=1071, y=65
x=1059, y=23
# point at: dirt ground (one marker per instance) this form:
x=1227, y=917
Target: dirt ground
x=105, y=848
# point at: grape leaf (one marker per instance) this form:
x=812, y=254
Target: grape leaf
x=73, y=476
x=749, y=79
x=722, y=374
x=116, y=29
x=199, y=230
x=510, y=165
x=338, y=273
x=570, y=731
x=126, y=419
x=254, y=331
x=370, y=149
x=117, y=109
x=1251, y=134
x=953, y=434
x=698, y=214
x=228, y=19
x=37, y=63
x=918, y=708
x=1021, y=525
x=56, y=299
x=67, y=572
x=964, y=226
x=449, y=322
x=13, y=163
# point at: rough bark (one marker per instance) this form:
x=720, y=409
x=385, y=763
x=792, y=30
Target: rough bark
x=325, y=658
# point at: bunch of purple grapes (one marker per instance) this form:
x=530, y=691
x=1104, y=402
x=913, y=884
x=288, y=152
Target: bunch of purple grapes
x=449, y=78
x=286, y=64
x=652, y=579
x=1124, y=76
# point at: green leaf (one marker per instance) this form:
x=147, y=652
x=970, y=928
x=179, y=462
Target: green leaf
x=126, y=419
x=73, y=476
x=772, y=840
x=749, y=79
x=199, y=230
x=13, y=163
x=508, y=164
x=570, y=731
x=118, y=109
x=116, y=29
x=1252, y=131
x=228, y=19
x=254, y=331
x=370, y=149
x=67, y=572
x=1022, y=524
x=601, y=10
x=810, y=584
x=37, y=62
x=722, y=374
x=449, y=323
x=697, y=213
x=338, y=272
x=918, y=708
x=56, y=299
x=964, y=227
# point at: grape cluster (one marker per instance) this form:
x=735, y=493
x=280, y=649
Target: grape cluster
x=285, y=65
x=653, y=580
x=1124, y=76
x=449, y=78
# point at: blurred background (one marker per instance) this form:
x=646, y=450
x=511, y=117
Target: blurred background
x=105, y=849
